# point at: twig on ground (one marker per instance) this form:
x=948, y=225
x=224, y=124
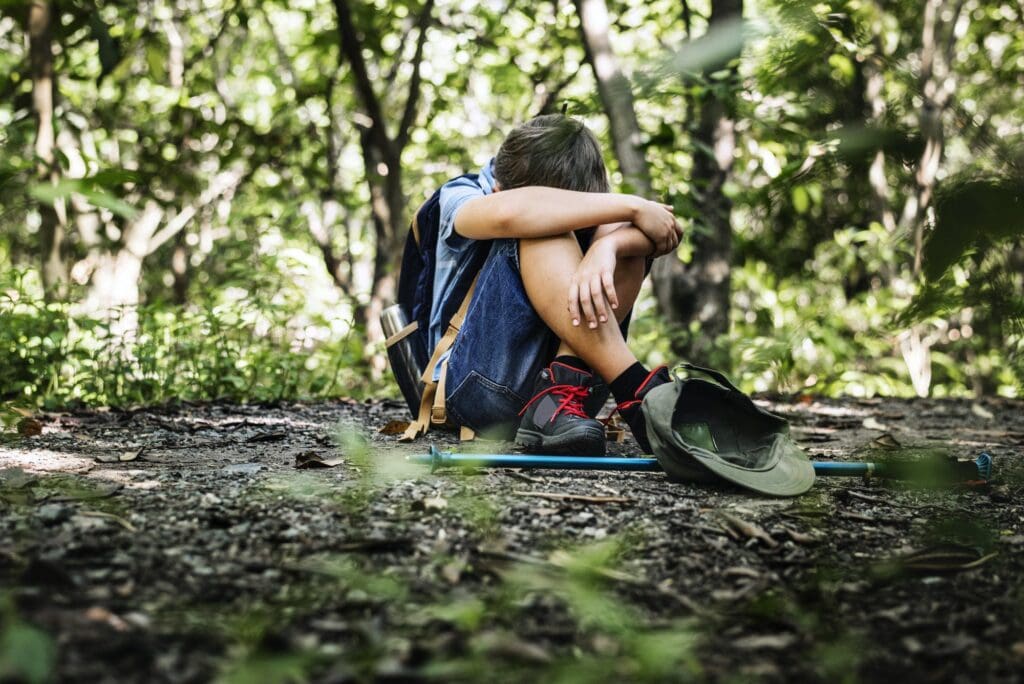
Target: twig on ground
x=713, y=529
x=860, y=517
x=109, y=516
x=558, y=496
x=748, y=529
x=520, y=476
x=371, y=545
x=606, y=488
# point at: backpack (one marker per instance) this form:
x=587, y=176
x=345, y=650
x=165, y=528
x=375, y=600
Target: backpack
x=415, y=296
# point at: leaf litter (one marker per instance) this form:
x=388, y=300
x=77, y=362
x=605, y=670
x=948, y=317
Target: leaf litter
x=213, y=566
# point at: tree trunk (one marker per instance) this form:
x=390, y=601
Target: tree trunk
x=180, y=269
x=874, y=83
x=616, y=96
x=382, y=158
x=52, y=229
x=700, y=293
x=937, y=87
x=387, y=207
x=115, y=275
x=695, y=296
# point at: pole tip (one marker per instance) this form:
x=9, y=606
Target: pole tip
x=984, y=464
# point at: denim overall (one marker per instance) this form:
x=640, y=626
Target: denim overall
x=502, y=346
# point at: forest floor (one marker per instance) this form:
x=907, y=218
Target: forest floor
x=183, y=544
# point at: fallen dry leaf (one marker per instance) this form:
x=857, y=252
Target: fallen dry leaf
x=123, y=457
x=29, y=427
x=311, y=459
x=872, y=424
x=131, y=455
x=982, y=412
x=886, y=441
x=394, y=427
x=452, y=572
x=99, y=614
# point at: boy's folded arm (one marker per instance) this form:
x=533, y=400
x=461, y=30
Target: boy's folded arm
x=629, y=241
x=540, y=212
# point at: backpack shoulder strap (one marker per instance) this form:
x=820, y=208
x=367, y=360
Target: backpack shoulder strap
x=415, y=226
x=432, y=403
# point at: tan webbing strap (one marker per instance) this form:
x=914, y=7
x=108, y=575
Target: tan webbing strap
x=418, y=426
x=439, y=412
x=466, y=434
x=402, y=334
x=416, y=224
x=432, y=403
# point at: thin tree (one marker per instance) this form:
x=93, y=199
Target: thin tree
x=382, y=155
x=699, y=291
x=44, y=84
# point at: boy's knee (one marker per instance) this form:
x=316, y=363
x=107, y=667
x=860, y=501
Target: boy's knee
x=549, y=241
x=634, y=268
x=554, y=247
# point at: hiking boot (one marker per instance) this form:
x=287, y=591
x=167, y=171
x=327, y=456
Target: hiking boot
x=630, y=410
x=554, y=421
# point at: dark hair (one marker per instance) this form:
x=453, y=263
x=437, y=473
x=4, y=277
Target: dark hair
x=553, y=150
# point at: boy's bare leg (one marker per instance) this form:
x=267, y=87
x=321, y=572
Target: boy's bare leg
x=629, y=277
x=547, y=266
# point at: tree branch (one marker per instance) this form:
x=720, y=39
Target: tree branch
x=409, y=114
x=556, y=90
x=211, y=45
x=351, y=47
x=224, y=183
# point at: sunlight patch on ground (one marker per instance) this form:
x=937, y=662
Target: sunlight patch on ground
x=44, y=461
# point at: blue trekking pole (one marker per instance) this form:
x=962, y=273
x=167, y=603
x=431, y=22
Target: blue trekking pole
x=978, y=469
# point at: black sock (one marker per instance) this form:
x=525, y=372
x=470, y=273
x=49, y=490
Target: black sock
x=573, y=361
x=625, y=386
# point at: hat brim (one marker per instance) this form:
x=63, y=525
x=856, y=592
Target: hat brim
x=788, y=471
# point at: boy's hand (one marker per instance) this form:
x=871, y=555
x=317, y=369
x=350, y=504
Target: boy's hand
x=592, y=292
x=657, y=222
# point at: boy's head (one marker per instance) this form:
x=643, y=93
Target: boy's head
x=553, y=150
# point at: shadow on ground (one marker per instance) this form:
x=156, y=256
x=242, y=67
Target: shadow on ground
x=183, y=544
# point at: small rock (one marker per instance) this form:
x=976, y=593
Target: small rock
x=209, y=499
x=53, y=513
x=435, y=503
x=912, y=644
x=768, y=642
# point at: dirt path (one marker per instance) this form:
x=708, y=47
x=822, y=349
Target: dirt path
x=209, y=554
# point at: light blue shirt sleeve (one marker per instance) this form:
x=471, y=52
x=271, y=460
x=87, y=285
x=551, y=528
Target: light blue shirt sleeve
x=454, y=194
x=452, y=248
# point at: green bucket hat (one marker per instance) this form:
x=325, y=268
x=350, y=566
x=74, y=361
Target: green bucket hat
x=704, y=432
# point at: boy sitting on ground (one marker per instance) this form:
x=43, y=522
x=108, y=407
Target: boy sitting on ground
x=549, y=313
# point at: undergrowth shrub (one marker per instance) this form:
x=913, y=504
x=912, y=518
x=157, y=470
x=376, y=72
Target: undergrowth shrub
x=238, y=349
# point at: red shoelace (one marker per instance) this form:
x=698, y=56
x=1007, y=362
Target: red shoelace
x=572, y=400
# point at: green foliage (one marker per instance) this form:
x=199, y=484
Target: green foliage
x=240, y=349
x=827, y=99
x=973, y=213
x=26, y=653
